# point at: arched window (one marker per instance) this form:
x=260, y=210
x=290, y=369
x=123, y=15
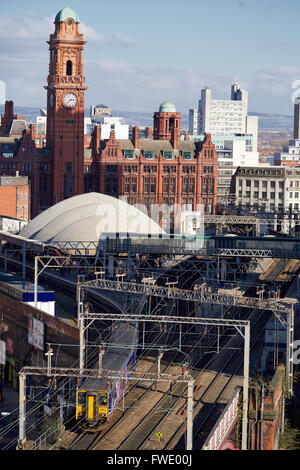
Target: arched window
x=69, y=67
x=171, y=123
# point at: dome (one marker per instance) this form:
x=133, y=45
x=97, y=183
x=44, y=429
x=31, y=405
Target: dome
x=66, y=13
x=167, y=107
x=86, y=217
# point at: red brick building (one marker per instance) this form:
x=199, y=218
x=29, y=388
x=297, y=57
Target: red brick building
x=160, y=169
x=22, y=155
x=65, y=106
x=165, y=170
x=15, y=197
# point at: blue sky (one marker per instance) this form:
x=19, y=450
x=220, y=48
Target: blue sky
x=140, y=53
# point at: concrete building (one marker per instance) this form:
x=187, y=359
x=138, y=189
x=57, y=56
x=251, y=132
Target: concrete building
x=297, y=119
x=99, y=111
x=116, y=124
x=272, y=188
x=226, y=117
x=15, y=197
x=193, y=121
x=233, y=151
x=290, y=156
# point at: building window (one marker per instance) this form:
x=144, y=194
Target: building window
x=187, y=155
x=172, y=186
x=69, y=67
x=148, y=154
x=185, y=185
x=43, y=168
x=127, y=185
x=68, y=184
x=128, y=153
x=133, y=185
x=167, y=155
x=166, y=186
x=192, y=186
x=43, y=184
x=146, y=185
x=153, y=186
x=69, y=167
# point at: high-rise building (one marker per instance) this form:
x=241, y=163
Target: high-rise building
x=223, y=117
x=297, y=119
x=234, y=133
x=193, y=121
x=290, y=155
x=65, y=106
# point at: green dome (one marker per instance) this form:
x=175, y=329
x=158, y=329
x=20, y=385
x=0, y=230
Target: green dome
x=66, y=13
x=167, y=107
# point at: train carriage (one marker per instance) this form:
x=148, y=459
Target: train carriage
x=96, y=399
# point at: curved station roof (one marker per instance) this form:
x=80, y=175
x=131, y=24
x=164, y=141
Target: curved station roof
x=86, y=217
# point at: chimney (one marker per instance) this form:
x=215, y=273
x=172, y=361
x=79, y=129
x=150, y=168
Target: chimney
x=187, y=136
x=32, y=132
x=95, y=139
x=149, y=132
x=136, y=137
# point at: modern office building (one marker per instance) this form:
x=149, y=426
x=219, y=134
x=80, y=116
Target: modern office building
x=99, y=111
x=226, y=117
x=297, y=119
x=232, y=151
x=234, y=133
x=193, y=121
x=290, y=155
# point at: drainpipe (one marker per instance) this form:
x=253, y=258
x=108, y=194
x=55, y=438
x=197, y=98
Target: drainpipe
x=262, y=417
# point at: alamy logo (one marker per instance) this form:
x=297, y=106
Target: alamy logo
x=2, y=92
x=296, y=354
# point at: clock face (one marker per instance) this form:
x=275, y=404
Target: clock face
x=51, y=100
x=70, y=100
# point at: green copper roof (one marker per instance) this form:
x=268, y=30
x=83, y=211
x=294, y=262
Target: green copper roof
x=167, y=107
x=66, y=13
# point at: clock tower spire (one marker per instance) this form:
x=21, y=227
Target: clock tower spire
x=65, y=106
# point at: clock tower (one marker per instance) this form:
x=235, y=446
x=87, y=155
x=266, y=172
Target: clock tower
x=65, y=106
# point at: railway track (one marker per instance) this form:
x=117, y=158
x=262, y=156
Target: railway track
x=143, y=435
x=92, y=440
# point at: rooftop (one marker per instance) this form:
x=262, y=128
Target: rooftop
x=86, y=218
x=66, y=13
x=167, y=107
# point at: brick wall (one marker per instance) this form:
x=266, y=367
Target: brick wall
x=8, y=201
x=14, y=325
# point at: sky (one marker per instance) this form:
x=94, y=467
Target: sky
x=140, y=53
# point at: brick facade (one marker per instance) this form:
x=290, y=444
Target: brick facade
x=15, y=198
